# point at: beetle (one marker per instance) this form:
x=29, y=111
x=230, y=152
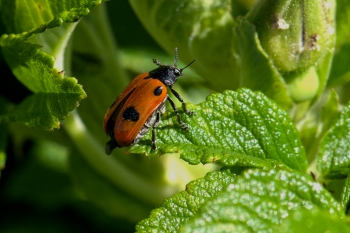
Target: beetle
x=141, y=104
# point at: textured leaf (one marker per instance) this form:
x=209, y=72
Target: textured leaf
x=177, y=210
x=259, y=201
x=36, y=57
x=333, y=159
x=45, y=110
x=240, y=124
x=256, y=201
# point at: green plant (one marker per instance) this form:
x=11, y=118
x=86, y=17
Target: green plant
x=277, y=132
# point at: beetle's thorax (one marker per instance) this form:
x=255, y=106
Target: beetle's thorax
x=167, y=74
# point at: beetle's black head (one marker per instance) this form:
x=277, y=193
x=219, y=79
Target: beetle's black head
x=167, y=74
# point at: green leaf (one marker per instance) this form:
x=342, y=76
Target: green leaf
x=177, y=210
x=255, y=201
x=240, y=124
x=36, y=57
x=333, y=159
x=46, y=110
x=260, y=200
x=314, y=220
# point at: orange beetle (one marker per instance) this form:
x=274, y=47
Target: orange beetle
x=140, y=106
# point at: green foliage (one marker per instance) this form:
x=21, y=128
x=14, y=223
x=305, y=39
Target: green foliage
x=253, y=201
x=270, y=107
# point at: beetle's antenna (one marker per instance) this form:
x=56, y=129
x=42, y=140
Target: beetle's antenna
x=188, y=65
x=176, y=57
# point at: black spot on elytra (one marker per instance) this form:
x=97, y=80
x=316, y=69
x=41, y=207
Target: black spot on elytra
x=158, y=91
x=131, y=114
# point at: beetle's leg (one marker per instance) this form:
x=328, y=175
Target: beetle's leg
x=183, y=125
x=158, y=63
x=178, y=96
x=154, y=146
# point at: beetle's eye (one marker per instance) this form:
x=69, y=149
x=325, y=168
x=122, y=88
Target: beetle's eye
x=177, y=72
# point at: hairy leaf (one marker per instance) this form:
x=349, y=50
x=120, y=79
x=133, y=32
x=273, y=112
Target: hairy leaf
x=255, y=201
